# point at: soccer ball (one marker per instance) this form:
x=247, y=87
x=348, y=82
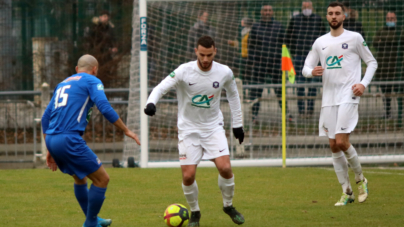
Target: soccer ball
x=176, y=215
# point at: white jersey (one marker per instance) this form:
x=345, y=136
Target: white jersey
x=341, y=59
x=198, y=95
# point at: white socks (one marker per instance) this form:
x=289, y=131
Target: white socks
x=341, y=169
x=227, y=188
x=353, y=161
x=191, y=194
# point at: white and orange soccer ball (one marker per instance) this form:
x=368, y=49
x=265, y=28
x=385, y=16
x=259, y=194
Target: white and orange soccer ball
x=176, y=215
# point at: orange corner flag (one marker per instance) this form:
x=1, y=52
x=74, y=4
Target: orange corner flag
x=287, y=64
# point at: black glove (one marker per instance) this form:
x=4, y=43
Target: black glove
x=239, y=134
x=150, y=109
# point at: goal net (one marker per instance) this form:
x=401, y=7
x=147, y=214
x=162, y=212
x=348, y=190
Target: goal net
x=249, y=37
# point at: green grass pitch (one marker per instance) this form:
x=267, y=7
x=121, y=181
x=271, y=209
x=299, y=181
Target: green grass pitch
x=265, y=196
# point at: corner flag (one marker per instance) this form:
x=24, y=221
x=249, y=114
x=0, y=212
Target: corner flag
x=287, y=64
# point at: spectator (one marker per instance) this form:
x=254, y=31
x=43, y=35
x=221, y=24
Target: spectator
x=387, y=42
x=303, y=30
x=199, y=29
x=265, y=54
x=246, y=23
x=101, y=43
x=350, y=22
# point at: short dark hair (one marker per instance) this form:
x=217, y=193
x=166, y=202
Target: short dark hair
x=104, y=12
x=335, y=4
x=206, y=41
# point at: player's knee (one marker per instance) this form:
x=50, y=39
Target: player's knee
x=102, y=181
x=225, y=171
x=342, y=145
x=188, y=179
x=105, y=179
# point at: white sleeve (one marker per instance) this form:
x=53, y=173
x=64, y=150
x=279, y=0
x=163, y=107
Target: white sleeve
x=311, y=61
x=234, y=100
x=367, y=57
x=164, y=86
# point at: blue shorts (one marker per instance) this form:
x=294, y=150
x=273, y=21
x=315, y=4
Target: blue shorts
x=72, y=155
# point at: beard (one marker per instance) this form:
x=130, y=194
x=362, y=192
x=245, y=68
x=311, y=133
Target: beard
x=203, y=67
x=335, y=26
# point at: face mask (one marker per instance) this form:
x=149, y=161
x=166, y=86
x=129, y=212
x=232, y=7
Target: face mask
x=307, y=12
x=390, y=24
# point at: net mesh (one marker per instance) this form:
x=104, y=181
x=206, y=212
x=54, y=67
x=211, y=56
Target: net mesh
x=251, y=47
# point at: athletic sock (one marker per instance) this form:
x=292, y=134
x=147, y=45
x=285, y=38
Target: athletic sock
x=96, y=197
x=191, y=194
x=81, y=193
x=227, y=188
x=341, y=169
x=353, y=161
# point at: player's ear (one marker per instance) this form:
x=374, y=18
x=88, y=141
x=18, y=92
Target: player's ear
x=196, y=51
x=95, y=70
x=77, y=69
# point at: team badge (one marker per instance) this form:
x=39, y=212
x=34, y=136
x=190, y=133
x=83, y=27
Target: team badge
x=344, y=46
x=215, y=84
x=100, y=87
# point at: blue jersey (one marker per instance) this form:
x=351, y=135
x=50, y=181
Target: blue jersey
x=71, y=105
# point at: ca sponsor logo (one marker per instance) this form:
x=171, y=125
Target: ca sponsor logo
x=202, y=101
x=334, y=62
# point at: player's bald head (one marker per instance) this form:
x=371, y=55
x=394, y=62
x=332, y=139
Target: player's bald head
x=87, y=63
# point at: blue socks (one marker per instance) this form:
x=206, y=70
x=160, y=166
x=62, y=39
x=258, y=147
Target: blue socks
x=96, y=197
x=81, y=193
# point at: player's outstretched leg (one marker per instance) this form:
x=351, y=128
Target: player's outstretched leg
x=363, y=190
x=195, y=217
x=341, y=169
x=81, y=193
x=361, y=181
x=227, y=188
x=96, y=196
x=345, y=199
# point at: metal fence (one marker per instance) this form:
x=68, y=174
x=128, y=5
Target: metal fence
x=20, y=128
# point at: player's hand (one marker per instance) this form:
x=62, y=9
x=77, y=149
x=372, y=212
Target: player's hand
x=358, y=89
x=132, y=135
x=239, y=134
x=50, y=162
x=150, y=109
x=317, y=71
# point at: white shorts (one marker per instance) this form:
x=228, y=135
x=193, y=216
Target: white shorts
x=196, y=146
x=338, y=119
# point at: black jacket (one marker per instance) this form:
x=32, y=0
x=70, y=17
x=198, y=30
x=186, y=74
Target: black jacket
x=352, y=25
x=265, y=45
x=302, y=32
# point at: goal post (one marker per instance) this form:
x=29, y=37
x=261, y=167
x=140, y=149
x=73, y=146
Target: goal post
x=162, y=39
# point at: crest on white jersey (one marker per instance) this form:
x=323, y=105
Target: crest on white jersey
x=215, y=84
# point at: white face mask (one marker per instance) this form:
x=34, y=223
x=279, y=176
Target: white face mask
x=307, y=12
